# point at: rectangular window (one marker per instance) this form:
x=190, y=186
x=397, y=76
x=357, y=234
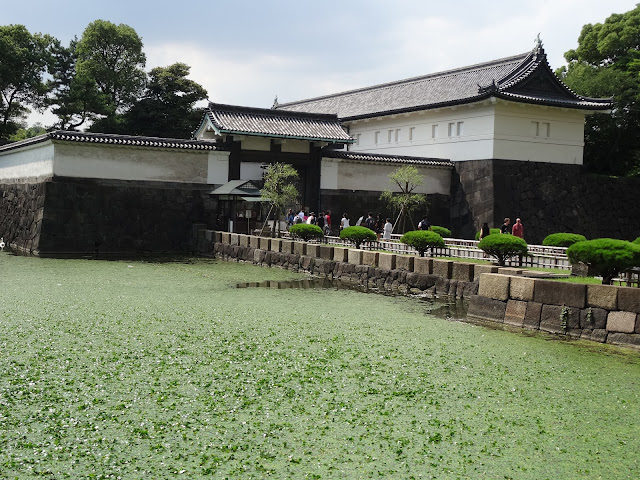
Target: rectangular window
x=459, y=127
x=535, y=129
x=377, y=137
x=397, y=138
x=434, y=131
x=452, y=129
x=389, y=136
x=357, y=138
x=546, y=129
x=411, y=130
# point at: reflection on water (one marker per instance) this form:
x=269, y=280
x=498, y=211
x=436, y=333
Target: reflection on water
x=446, y=307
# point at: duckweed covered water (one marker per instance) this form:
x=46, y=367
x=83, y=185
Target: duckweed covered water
x=162, y=370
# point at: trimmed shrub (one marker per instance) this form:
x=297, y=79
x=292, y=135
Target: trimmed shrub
x=503, y=247
x=562, y=239
x=305, y=231
x=357, y=235
x=422, y=240
x=442, y=231
x=605, y=256
x=637, y=240
x=492, y=231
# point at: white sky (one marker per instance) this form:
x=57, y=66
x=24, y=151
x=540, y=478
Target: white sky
x=246, y=52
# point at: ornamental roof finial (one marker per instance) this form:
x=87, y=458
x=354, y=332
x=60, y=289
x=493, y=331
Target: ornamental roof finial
x=538, y=42
x=275, y=103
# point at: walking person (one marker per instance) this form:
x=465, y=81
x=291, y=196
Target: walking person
x=518, y=229
x=505, y=228
x=388, y=228
x=344, y=222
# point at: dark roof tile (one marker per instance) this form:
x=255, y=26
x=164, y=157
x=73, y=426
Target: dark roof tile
x=380, y=158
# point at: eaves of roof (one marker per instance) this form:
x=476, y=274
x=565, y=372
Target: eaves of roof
x=382, y=158
x=111, y=139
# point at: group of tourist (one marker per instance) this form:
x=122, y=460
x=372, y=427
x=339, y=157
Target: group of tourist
x=323, y=220
x=517, y=230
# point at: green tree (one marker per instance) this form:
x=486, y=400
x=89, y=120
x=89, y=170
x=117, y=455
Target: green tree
x=30, y=132
x=305, y=232
x=357, y=235
x=503, y=247
x=279, y=189
x=606, y=256
x=110, y=56
x=423, y=240
x=24, y=60
x=405, y=179
x=607, y=63
x=167, y=108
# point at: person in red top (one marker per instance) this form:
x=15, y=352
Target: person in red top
x=518, y=229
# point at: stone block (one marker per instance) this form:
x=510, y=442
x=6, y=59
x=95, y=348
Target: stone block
x=341, y=254
x=370, y=258
x=276, y=243
x=484, y=308
x=405, y=262
x=549, y=292
x=387, y=261
x=217, y=237
x=313, y=250
x=254, y=242
x=532, y=316
x=442, y=268
x=628, y=339
x=326, y=252
x=462, y=271
x=602, y=296
x=196, y=227
x=493, y=285
x=300, y=248
x=624, y=322
x=551, y=319
x=264, y=243
x=226, y=238
x=442, y=285
x=510, y=271
x=286, y=246
x=243, y=240
x=258, y=255
x=629, y=299
x=470, y=289
x=521, y=288
x=306, y=262
x=355, y=256
x=515, y=312
x=234, y=239
x=423, y=265
x=593, y=318
x=480, y=269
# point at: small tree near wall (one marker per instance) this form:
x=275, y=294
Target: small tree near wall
x=279, y=189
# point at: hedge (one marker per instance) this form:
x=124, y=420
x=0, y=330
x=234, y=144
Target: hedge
x=562, y=239
x=357, y=235
x=422, y=240
x=305, y=231
x=503, y=247
x=605, y=256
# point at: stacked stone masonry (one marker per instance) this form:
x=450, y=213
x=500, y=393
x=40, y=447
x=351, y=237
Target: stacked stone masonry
x=601, y=313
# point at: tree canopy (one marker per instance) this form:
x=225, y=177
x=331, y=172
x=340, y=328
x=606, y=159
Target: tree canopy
x=607, y=63
x=279, y=188
x=405, y=179
x=24, y=60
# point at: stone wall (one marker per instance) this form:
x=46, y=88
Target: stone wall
x=21, y=214
x=601, y=313
x=549, y=198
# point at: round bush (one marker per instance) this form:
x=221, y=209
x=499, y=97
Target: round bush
x=637, y=240
x=503, y=247
x=357, y=235
x=305, y=231
x=562, y=239
x=442, y=231
x=606, y=256
x=422, y=240
x=492, y=231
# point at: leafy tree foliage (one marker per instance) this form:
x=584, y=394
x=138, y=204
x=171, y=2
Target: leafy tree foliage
x=563, y=239
x=606, y=63
x=305, y=231
x=406, y=179
x=503, y=247
x=24, y=133
x=24, y=60
x=111, y=57
x=606, y=256
x=422, y=240
x=442, y=231
x=357, y=235
x=279, y=189
x=167, y=108
x=492, y=231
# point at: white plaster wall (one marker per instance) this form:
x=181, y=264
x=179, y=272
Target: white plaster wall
x=255, y=143
x=218, y=168
x=295, y=146
x=490, y=129
x=475, y=142
x=251, y=171
x=33, y=162
x=516, y=139
x=122, y=163
x=338, y=174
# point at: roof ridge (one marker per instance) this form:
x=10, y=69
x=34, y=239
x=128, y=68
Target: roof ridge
x=469, y=68
x=270, y=112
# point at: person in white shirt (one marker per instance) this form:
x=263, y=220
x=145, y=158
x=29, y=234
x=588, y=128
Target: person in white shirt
x=388, y=228
x=344, y=223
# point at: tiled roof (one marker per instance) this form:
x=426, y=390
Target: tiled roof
x=379, y=158
x=505, y=77
x=111, y=139
x=275, y=123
